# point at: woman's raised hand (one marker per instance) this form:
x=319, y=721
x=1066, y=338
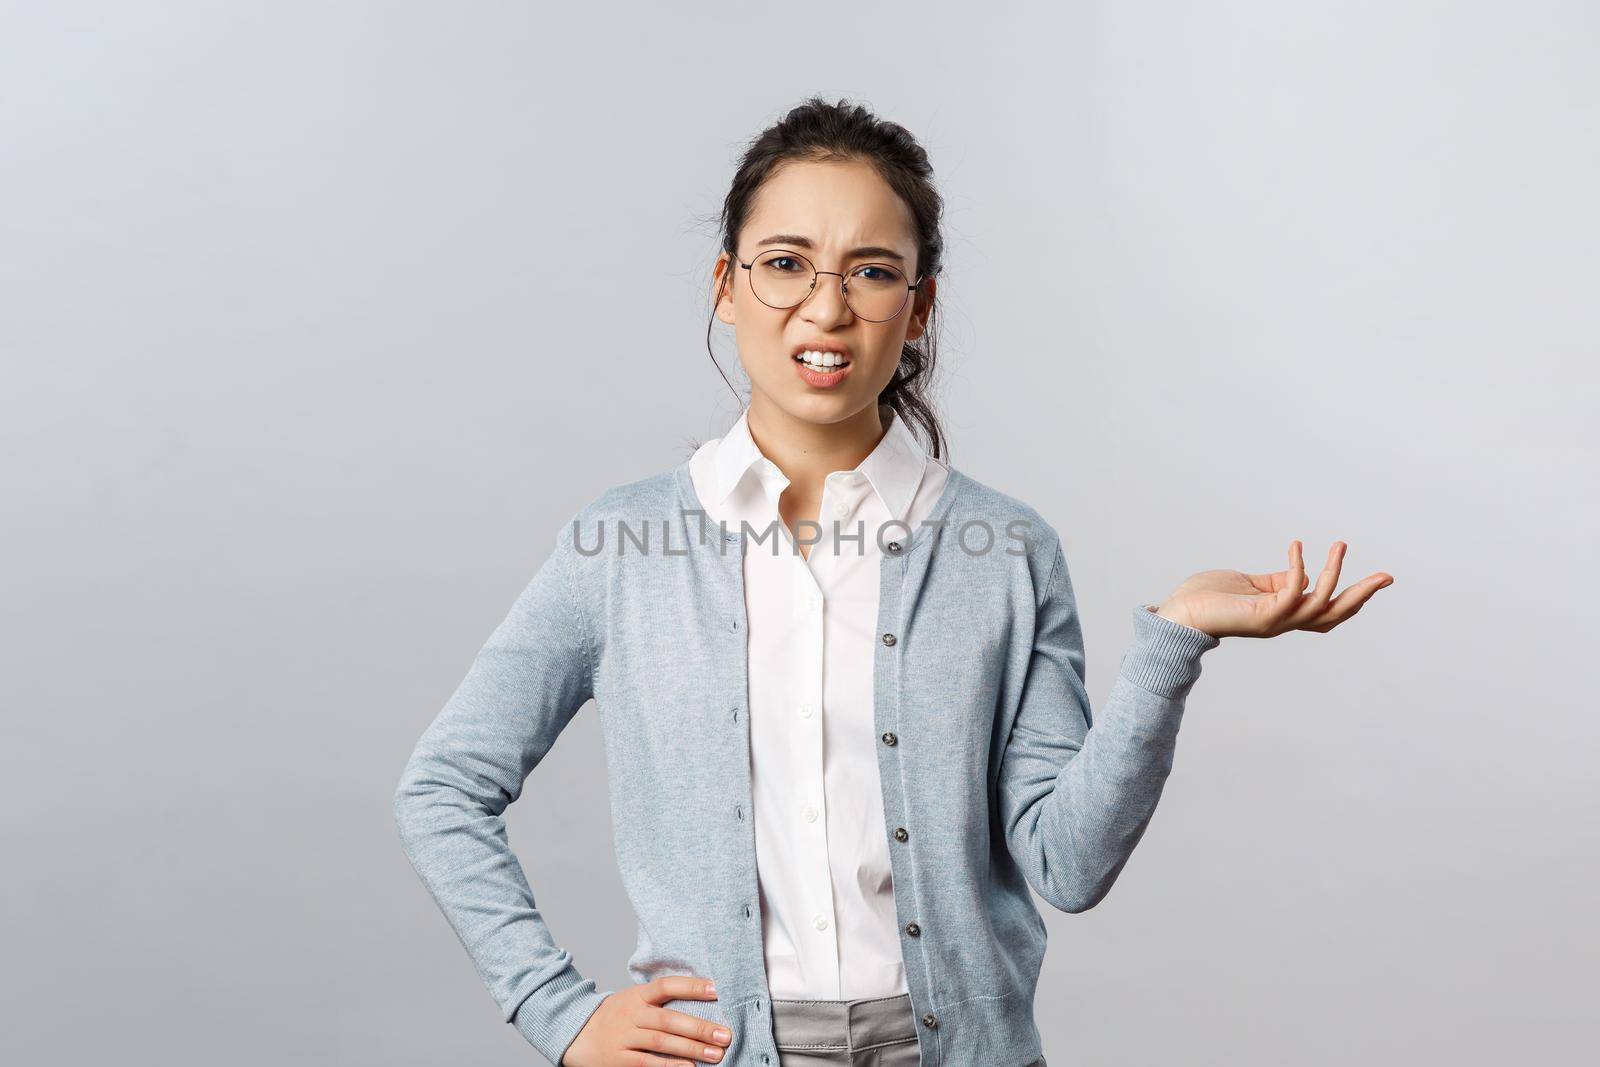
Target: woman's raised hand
x=1232, y=604
x=631, y=1029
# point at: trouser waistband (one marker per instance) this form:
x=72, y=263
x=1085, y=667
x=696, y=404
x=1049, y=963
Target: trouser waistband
x=854, y=1025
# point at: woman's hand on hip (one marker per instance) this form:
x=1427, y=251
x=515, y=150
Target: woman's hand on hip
x=1234, y=604
x=631, y=1021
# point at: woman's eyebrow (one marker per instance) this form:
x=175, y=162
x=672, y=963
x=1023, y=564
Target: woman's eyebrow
x=805, y=242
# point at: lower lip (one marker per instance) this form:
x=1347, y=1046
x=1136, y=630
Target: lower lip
x=821, y=379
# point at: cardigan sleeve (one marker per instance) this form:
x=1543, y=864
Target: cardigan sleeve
x=1076, y=788
x=523, y=687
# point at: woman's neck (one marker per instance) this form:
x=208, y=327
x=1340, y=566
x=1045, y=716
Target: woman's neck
x=807, y=452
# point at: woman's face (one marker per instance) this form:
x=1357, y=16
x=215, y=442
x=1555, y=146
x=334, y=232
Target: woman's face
x=826, y=212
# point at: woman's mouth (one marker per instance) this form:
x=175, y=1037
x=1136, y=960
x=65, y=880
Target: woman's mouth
x=821, y=369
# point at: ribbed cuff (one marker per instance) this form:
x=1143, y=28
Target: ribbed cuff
x=1165, y=657
x=552, y=1015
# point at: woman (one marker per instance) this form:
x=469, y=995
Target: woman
x=842, y=695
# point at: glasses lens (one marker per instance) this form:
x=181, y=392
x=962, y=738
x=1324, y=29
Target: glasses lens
x=781, y=279
x=875, y=291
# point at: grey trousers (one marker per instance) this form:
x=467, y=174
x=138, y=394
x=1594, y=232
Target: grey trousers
x=881, y=1032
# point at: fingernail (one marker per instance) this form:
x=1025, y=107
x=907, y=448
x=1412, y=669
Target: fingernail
x=720, y=1034
x=711, y=990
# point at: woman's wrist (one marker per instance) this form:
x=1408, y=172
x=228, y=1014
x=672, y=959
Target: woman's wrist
x=1170, y=609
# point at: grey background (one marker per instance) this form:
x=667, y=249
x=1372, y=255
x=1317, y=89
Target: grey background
x=318, y=319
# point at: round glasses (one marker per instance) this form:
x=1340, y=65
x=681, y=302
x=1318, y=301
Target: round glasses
x=782, y=279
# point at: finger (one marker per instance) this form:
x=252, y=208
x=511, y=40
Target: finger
x=1328, y=580
x=1295, y=581
x=1314, y=603
x=1349, y=602
x=1276, y=581
x=677, y=987
x=703, y=1031
x=668, y=1042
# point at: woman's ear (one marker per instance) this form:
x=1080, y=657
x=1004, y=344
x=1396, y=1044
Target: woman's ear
x=921, y=307
x=722, y=286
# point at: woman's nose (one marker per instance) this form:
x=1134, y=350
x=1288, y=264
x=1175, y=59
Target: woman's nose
x=826, y=302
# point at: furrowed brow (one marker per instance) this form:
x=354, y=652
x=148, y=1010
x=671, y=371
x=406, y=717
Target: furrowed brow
x=805, y=242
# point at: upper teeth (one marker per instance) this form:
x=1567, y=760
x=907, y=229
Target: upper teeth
x=823, y=359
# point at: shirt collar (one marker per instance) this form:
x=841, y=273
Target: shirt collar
x=894, y=468
x=735, y=454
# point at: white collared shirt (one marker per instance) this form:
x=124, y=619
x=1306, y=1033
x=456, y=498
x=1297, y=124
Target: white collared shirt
x=829, y=927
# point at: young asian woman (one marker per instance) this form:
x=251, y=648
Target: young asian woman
x=843, y=702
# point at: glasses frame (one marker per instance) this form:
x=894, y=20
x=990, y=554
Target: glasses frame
x=844, y=284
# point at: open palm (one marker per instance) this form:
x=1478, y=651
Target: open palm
x=1227, y=603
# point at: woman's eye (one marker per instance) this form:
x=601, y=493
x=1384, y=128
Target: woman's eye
x=776, y=260
x=879, y=275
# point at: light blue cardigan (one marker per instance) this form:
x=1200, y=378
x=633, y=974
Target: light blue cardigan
x=993, y=779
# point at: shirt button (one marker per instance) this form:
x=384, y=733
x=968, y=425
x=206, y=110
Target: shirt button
x=806, y=710
x=930, y=1021
x=889, y=738
x=888, y=639
x=815, y=601
x=900, y=833
x=820, y=922
x=809, y=813
x=894, y=546
x=913, y=929
x=841, y=509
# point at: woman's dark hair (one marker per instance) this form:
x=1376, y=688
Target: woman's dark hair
x=817, y=131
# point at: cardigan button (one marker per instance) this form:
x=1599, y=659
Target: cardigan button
x=894, y=546
x=900, y=833
x=930, y=1021
x=888, y=639
x=913, y=929
x=889, y=738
